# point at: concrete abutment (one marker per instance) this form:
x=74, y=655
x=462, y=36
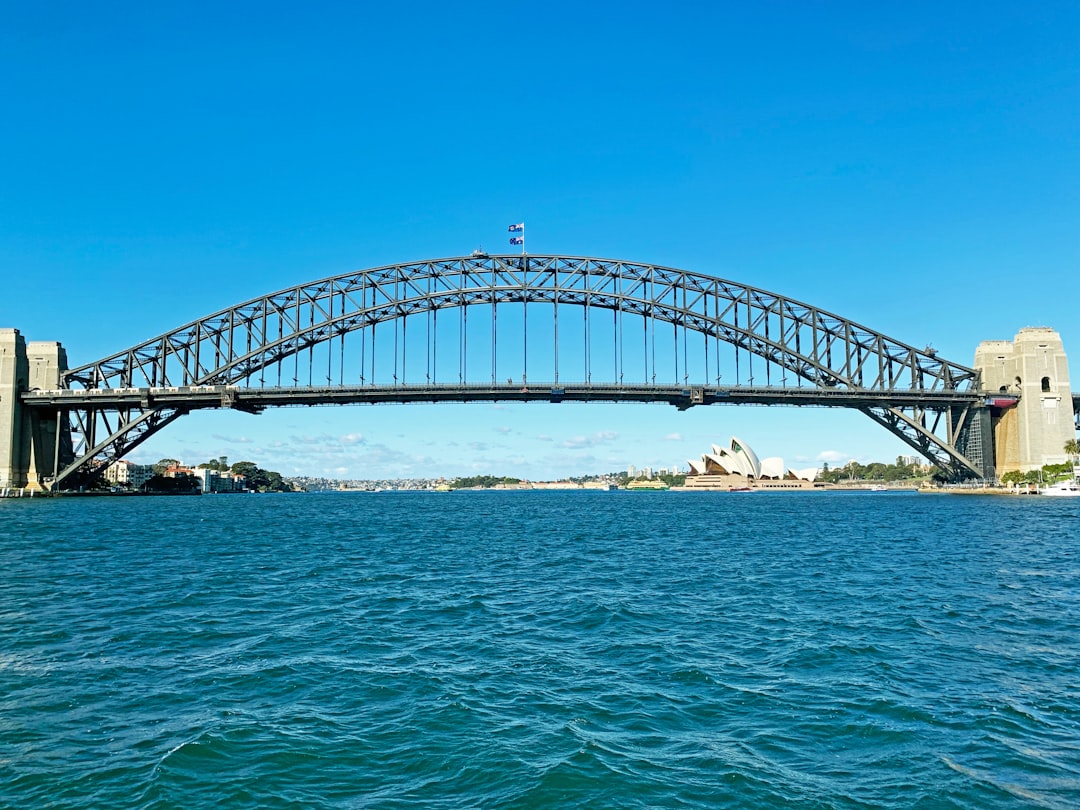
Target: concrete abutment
x=1033, y=432
x=33, y=442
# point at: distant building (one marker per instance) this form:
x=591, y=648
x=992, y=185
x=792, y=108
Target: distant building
x=555, y=485
x=738, y=467
x=125, y=474
x=219, y=481
x=174, y=470
x=631, y=471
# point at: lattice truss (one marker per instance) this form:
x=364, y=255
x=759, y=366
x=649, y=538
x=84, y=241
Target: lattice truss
x=275, y=337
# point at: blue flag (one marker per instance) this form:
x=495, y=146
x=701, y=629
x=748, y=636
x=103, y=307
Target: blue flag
x=517, y=240
x=519, y=228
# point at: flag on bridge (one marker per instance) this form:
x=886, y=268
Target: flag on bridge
x=519, y=228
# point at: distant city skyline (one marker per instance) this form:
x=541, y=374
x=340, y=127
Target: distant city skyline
x=914, y=168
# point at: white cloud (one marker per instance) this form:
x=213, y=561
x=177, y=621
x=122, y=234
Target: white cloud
x=673, y=437
x=578, y=442
x=321, y=439
x=502, y=429
x=352, y=438
x=231, y=439
x=832, y=456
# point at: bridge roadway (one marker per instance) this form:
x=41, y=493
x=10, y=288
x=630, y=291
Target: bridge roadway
x=681, y=396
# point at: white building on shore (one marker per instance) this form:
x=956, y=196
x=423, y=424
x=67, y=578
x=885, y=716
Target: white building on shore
x=737, y=466
x=126, y=474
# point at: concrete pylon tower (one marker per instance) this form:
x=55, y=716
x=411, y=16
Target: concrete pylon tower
x=13, y=376
x=1034, y=366
x=46, y=436
x=33, y=443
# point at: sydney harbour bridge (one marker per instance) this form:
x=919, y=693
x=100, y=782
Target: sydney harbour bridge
x=513, y=328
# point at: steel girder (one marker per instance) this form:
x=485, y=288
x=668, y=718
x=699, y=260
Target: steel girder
x=232, y=346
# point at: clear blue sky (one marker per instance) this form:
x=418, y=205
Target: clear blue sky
x=912, y=166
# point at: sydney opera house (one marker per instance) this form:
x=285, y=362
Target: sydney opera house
x=737, y=467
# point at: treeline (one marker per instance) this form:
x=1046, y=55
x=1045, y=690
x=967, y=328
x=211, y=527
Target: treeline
x=1049, y=474
x=481, y=481
x=255, y=477
x=259, y=479
x=621, y=479
x=876, y=471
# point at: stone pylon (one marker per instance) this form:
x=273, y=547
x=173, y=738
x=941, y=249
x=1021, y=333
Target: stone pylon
x=13, y=377
x=32, y=442
x=1033, y=365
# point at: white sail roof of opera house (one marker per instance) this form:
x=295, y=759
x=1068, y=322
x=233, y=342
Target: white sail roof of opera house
x=738, y=458
x=772, y=467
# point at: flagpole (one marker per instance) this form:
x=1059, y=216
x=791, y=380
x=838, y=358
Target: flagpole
x=522, y=238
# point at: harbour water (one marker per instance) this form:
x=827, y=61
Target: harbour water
x=540, y=649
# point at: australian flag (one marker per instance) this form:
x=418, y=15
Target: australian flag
x=517, y=240
x=519, y=228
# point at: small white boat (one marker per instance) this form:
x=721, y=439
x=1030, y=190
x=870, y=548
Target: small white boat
x=1062, y=489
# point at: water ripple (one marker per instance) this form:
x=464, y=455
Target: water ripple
x=539, y=650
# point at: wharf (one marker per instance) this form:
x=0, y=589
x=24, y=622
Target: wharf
x=962, y=490
x=22, y=492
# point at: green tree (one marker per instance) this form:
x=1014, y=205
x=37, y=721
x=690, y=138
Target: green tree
x=253, y=478
x=164, y=464
x=875, y=471
x=1056, y=472
x=673, y=479
x=259, y=479
x=244, y=468
x=219, y=464
x=484, y=481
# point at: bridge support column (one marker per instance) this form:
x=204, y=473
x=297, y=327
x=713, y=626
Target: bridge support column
x=47, y=433
x=32, y=442
x=976, y=441
x=1034, y=432
x=13, y=377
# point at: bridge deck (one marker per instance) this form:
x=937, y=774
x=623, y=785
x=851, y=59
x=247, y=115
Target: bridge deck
x=681, y=396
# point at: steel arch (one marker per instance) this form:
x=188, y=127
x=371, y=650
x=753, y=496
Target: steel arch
x=829, y=352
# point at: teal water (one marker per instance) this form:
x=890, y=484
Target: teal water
x=535, y=650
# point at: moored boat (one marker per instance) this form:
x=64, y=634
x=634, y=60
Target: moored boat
x=1062, y=489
